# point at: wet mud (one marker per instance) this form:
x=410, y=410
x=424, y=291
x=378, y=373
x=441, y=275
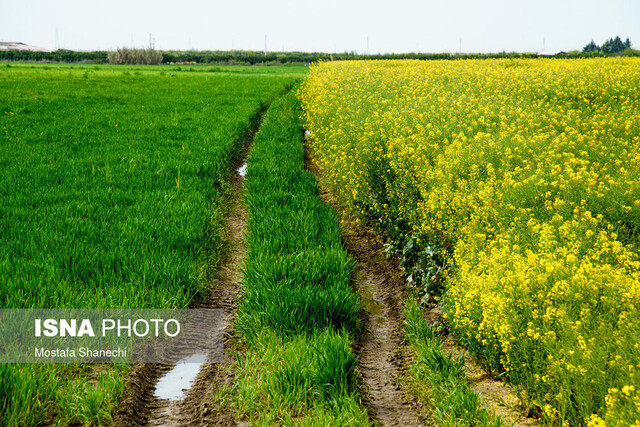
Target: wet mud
x=381, y=352
x=185, y=394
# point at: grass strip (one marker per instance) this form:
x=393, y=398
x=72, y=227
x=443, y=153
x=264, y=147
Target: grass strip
x=297, y=311
x=438, y=379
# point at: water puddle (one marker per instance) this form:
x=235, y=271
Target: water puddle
x=174, y=384
x=372, y=306
x=242, y=170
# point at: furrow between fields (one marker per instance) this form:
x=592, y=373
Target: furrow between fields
x=186, y=398
x=197, y=407
x=383, y=354
x=381, y=351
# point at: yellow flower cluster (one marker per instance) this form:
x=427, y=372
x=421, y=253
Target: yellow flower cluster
x=625, y=401
x=528, y=173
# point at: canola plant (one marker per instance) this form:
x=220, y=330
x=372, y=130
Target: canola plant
x=527, y=173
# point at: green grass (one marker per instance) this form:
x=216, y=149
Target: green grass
x=306, y=379
x=111, y=181
x=438, y=379
x=297, y=311
x=290, y=70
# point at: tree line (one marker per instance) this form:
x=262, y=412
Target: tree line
x=233, y=57
x=609, y=47
x=247, y=57
x=60, y=55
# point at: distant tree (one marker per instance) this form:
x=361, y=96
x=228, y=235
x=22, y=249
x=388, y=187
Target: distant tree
x=618, y=45
x=612, y=46
x=627, y=43
x=591, y=47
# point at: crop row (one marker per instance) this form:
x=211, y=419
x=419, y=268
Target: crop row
x=297, y=310
x=522, y=177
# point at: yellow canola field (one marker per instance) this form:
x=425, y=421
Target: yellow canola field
x=527, y=172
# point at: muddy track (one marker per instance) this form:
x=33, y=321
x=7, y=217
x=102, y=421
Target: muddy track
x=381, y=352
x=140, y=406
x=198, y=407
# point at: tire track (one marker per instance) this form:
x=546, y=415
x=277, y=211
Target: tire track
x=198, y=408
x=141, y=407
x=380, y=351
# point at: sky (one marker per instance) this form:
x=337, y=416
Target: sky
x=371, y=26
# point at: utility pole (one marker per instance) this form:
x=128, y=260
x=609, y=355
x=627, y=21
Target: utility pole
x=152, y=42
x=460, y=46
x=265, y=45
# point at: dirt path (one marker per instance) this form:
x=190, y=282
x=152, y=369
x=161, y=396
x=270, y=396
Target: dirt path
x=198, y=407
x=381, y=351
x=142, y=406
x=382, y=354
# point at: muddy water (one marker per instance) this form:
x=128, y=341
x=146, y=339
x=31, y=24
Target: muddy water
x=374, y=307
x=242, y=170
x=175, y=383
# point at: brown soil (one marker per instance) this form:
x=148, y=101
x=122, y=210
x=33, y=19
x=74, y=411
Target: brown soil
x=199, y=407
x=381, y=351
